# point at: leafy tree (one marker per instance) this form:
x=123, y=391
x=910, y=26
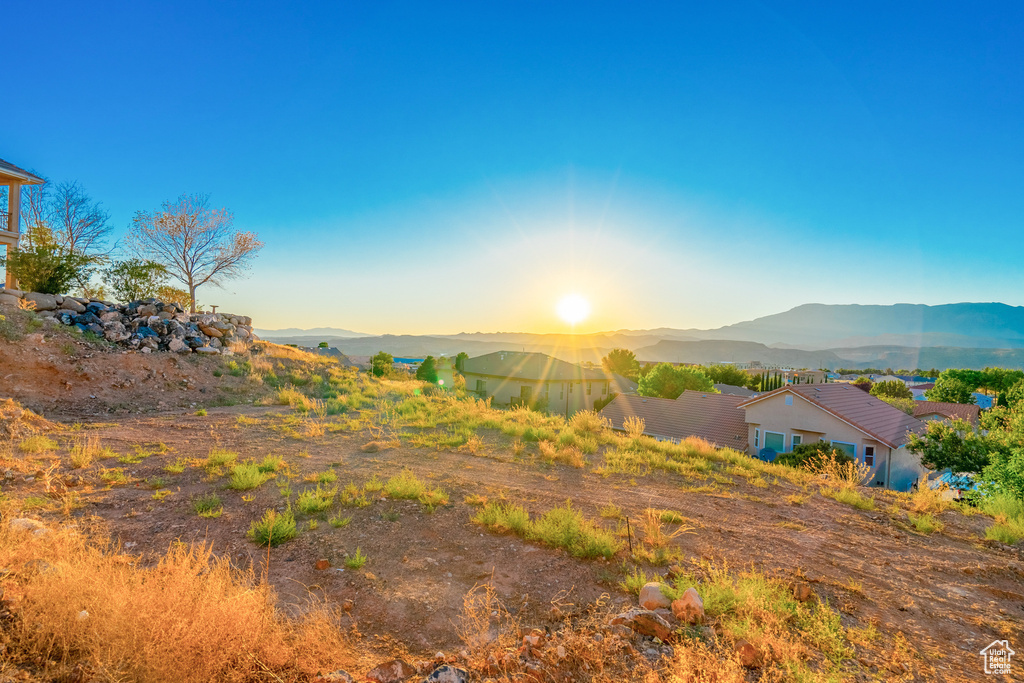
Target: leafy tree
x=999, y=379
x=1014, y=395
x=806, y=455
x=622, y=362
x=173, y=295
x=322, y=345
x=863, y=383
x=47, y=268
x=951, y=388
x=381, y=364
x=955, y=444
x=460, y=361
x=134, y=279
x=669, y=381
x=726, y=374
x=197, y=244
x=1005, y=471
x=904, y=404
x=892, y=388
x=427, y=371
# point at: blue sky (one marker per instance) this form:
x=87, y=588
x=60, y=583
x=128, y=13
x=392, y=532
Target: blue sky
x=445, y=167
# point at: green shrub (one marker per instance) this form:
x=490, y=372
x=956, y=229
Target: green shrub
x=404, y=486
x=312, y=501
x=208, y=506
x=356, y=561
x=925, y=523
x=248, y=476
x=808, y=455
x=274, y=529
x=47, y=268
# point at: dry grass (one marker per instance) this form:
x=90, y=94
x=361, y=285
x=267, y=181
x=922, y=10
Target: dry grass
x=189, y=618
x=17, y=422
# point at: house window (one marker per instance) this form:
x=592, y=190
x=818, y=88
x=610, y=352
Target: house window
x=526, y=394
x=757, y=438
x=775, y=441
x=848, y=448
x=789, y=399
x=797, y=440
x=481, y=386
x=590, y=386
x=570, y=387
x=869, y=456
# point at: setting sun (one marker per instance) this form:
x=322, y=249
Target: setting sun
x=573, y=309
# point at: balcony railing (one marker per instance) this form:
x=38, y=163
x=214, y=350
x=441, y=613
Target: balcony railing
x=4, y=220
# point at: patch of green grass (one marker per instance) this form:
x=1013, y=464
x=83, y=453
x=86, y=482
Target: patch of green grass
x=325, y=477
x=404, y=486
x=374, y=485
x=635, y=579
x=219, y=457
x=37, y=444
x=611, y=511
x=850, y=497
x=274, y=529
x=113, y=477
x=356, y=561
x=201, y=412
x=351, y=496
x=270, y=464
x=338, y=522
x=560, y=527
x=208, y=506
x=177, y=467
x=670, y=517
x=925, y=523
x=312, y=501
x=248, y=475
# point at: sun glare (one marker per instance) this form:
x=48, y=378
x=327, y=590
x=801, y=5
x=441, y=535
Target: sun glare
x=573, y=309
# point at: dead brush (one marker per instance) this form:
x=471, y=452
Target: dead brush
x=840, y=475
x=188, y=617
x=930, y=501
x=570, y=455
x=655, y=535
x=84, y=452
x=634, y=426
x=474, y=445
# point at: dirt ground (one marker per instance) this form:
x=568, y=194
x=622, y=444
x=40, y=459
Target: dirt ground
x=936, y=600
x=949, y=593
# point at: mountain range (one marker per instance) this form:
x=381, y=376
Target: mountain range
x=971, y=335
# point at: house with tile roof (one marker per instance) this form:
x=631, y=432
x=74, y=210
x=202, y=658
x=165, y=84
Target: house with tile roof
x=716, y=418
x=937, y=410
x=868, y=429
x=522, y=378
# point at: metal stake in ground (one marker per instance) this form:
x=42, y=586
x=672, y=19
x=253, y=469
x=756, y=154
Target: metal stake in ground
x=629, y=536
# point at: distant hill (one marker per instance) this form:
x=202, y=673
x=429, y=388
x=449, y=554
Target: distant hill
x=831, y=326
x=273, y=335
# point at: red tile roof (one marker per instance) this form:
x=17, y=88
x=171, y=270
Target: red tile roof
x=960, y=411
x=874, y=417
x=712, y=417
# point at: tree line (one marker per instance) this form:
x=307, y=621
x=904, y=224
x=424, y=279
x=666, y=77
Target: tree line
x=66, y=246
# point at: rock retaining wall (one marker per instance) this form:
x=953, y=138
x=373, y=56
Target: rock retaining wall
x=147, y=325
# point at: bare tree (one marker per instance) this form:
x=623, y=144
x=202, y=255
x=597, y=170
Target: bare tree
x=78, y=223
x=197, y=244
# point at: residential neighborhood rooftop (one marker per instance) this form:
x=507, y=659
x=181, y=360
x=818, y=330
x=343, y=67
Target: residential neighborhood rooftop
x=962, y=411
x=529, y=365
x=872, y=416
x=716, y=418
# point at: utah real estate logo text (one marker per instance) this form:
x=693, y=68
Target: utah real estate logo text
x=997, y=657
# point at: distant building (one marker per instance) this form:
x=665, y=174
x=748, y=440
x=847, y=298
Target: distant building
x=523, y=378
x=936, y=410
x=716, y=418
x=735, y=391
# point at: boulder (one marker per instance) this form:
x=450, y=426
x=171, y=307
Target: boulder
x=802, y=592
x=338, y=676
x=652, y=598
x=43, y=302
x=178, y=346
x=206, y=350
x=146, y=310
x=447, y=674
x=26, y=524
x=72, y=305
x=211, y=331
x=14, y=292
x=8, y=300
x=689, y=609
x=644, y=622
x=749, y=656
x=391, y=672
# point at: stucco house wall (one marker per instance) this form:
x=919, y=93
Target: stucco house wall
x=811, y=423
